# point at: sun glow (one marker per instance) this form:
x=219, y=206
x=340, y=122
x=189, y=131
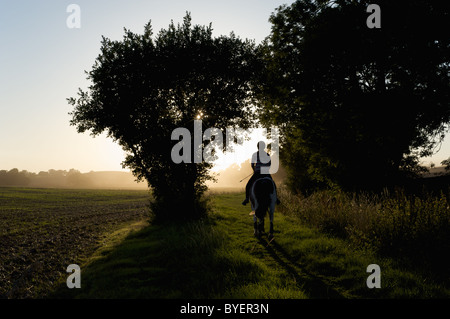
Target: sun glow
x=240, y=152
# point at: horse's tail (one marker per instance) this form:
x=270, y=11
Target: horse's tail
x=263, y=189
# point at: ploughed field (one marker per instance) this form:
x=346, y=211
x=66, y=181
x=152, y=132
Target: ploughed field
x=43, y=231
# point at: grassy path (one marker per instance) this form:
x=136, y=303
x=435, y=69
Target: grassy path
x=288, y=254
x=220, y=258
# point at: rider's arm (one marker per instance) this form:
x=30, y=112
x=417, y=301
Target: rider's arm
x=253, y=162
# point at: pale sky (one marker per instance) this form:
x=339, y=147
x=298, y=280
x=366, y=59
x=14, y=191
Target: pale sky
x=42, y=63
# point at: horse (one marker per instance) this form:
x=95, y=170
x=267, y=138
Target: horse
x=263, y=197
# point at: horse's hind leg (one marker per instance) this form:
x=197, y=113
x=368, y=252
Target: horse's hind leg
x=271, y=231
x=261, y=226
x=271, y=224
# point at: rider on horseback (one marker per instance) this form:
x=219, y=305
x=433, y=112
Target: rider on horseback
x=257, y=164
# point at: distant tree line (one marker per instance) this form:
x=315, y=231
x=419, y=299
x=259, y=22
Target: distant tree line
x=50, y=178
x=15, y=177
x=67, y=179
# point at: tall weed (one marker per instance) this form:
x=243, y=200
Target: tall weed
x=412, y=228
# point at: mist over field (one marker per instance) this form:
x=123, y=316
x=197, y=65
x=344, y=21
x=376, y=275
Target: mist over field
x=232, y=176
x=228, y=178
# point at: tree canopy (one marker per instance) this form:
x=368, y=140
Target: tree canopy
x=144, y=87
x=357, y=107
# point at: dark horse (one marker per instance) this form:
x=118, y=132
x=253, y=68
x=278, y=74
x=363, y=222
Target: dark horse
x=263, y=196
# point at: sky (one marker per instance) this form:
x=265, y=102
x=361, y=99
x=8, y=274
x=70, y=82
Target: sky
x=42, y=63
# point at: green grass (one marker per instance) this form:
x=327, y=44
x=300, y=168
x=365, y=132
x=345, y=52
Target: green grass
x=218, y=257
x=413, y=230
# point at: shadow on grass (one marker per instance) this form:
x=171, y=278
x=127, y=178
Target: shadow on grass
x=316, y=287
x=171, y=261
x=151, y=263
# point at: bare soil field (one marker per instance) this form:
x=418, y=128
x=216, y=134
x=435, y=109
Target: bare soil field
x=42, y=231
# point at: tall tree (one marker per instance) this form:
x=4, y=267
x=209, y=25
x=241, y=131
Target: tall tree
x=144, y=88
x=357, y=106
